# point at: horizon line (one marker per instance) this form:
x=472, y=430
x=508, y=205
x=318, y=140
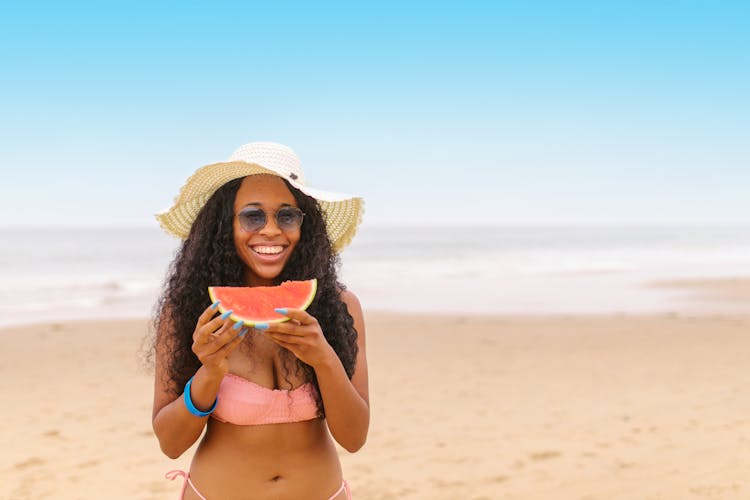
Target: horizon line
x=401, y=225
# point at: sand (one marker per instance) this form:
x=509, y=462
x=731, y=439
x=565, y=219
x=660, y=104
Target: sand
x=724, y=293
x=546, y=407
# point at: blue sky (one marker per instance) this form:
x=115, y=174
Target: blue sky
x=461, y=113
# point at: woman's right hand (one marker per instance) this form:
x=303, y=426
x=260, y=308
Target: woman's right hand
x=214, y=339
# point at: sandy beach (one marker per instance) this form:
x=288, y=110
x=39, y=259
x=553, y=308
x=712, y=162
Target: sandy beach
x=489, y=407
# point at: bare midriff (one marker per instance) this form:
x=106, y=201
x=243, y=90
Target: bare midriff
x=292, y=460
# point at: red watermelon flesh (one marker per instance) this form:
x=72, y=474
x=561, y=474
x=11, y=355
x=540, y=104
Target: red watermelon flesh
x=256, y=304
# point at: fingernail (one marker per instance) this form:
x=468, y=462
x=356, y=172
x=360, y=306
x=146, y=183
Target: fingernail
x=281, y=310
x=243, y=332
x=227, y=314
x=238, y=325
x=261, y=326
x=215, y=304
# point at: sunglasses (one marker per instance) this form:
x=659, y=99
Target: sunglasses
x=287, y=219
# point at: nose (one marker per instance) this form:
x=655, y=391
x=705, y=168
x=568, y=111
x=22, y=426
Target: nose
x=271, y=228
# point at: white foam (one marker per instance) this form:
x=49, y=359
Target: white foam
x=516, y=270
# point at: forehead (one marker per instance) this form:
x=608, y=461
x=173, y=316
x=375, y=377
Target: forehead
x=264, y=189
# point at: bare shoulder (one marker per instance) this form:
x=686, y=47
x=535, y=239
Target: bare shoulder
x=359, y=378
x=351, y=301
x=355, y=309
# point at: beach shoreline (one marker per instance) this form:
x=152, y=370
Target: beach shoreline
x=119, y=272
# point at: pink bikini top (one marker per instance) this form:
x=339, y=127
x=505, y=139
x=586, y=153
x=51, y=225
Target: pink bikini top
x=242, y=402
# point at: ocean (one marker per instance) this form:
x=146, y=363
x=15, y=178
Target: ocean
x=58, y=274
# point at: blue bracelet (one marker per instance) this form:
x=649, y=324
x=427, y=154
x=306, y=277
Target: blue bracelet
x=189, y=402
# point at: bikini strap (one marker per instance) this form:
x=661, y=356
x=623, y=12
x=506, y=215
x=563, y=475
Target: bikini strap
x=174, y=474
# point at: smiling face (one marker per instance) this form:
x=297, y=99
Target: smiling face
x=266, y=251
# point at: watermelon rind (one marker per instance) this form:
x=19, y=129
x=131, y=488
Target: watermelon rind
x=279, y=319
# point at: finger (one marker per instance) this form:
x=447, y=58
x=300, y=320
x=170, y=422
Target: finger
x=214, y=327
x=288, y=328
x=300, y=315
x=218, y=342
x=286, y=345
x=285, y=338
x=227, y=332
x=204, y=320
x=208, y=313
x=210, y=342
x=230, y=346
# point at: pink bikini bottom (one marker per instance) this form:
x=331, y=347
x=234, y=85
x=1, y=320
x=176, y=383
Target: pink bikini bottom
x=173, y=474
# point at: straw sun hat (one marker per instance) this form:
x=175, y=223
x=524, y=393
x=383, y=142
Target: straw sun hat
x=342, y=212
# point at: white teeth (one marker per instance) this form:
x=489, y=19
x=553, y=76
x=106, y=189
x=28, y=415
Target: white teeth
x=268, y=250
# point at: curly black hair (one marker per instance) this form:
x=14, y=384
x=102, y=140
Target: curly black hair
x=208, y=258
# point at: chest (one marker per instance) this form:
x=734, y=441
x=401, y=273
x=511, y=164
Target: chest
x=265, y=363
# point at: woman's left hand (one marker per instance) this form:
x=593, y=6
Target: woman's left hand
x=303, y=336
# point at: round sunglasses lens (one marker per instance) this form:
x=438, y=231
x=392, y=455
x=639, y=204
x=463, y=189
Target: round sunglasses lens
x=289, y=218
x=252, y=219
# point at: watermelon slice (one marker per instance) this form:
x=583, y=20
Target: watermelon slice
x=256, y=304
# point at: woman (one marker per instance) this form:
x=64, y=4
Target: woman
x=269, y=395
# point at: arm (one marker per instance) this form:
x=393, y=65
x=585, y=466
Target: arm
x=175, y=427
x=346, y=402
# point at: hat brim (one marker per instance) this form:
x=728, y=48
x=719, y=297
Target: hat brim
x=343, y=212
